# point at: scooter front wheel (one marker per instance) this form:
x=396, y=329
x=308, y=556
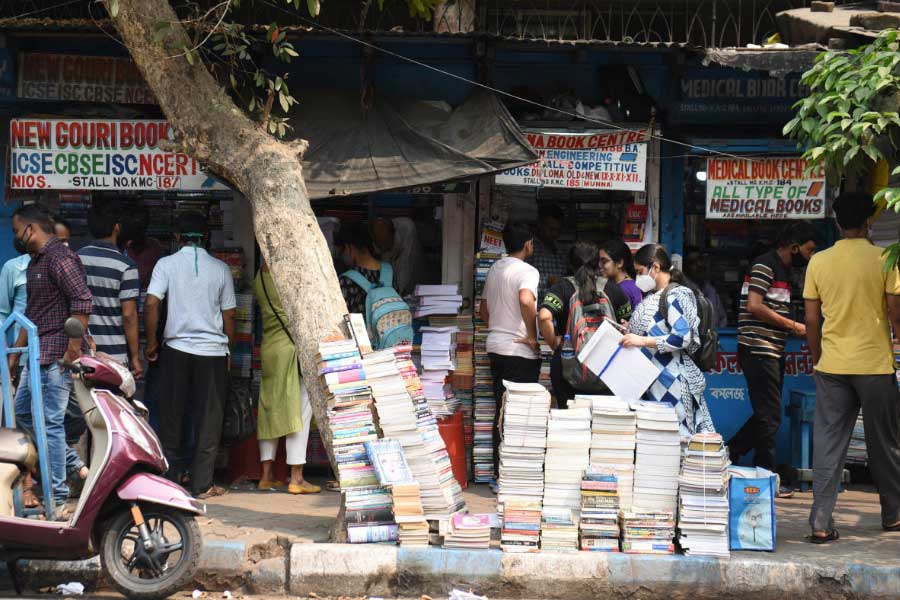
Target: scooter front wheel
x=161, y=570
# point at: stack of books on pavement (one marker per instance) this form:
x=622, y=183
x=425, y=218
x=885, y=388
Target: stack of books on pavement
x=469, y=531
x=349, y=412
x=526, y=407
x=567, y=458
x=370, y=517
x=409, y=515
x=521, y=530
x=658, y=458
x=442, y=299
x=599, y=512
x=438, y=359
x=648, y=532
x=613, y=435
x=703, y=492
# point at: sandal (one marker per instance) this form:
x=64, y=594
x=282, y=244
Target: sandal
x=832, y=536
x=894, y=527
x=332, y=486
x=213, y=492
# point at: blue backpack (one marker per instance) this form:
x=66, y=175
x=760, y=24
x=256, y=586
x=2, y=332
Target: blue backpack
x=388, y=317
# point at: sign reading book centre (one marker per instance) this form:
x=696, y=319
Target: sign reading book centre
x=604, y=160
x=763, y=188
x=82, y=154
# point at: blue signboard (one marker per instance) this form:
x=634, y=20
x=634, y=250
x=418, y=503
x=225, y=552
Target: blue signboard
x=726, y=388
x=717, y=95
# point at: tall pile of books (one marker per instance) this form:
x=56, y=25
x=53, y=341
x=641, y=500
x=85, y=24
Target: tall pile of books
x=658, y=458
x=648, y=532
x=438, y=359
x=613, y=431
x=425, y=450
x=599, y=524
x=567, y=459
x=483, y=392
x=521, y=530
x=703, y=493
x=469, y=531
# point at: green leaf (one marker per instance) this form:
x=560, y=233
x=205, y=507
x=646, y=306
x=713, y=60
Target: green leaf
x=816, y=153
x=845, y=123
x=290, y=52
x=789, y=127
x=313, y=6
x=283, y=100
x=232, y=80
x=809, y=125
x=851, y=155
x=113, y=8
x=190, y=57
x=872, y=152
x=895, y=172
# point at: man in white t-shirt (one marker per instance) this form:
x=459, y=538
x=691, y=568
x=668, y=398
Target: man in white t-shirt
x=198, y=336
x=509, y=308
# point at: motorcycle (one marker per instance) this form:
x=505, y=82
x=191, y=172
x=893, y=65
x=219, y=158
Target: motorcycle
x=142, y=525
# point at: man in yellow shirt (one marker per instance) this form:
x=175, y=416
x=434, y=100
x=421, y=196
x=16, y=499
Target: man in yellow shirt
x=848, y=286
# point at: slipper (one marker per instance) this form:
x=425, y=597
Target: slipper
x=332, y=486
x=213, y=492
x=832, y=536
x=303, y=488
x=894, y=527
x=269, y=485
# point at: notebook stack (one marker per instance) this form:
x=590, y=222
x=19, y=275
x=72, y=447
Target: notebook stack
x=426, y=452
x=658, y=458
x=648, y=532
x=438, y=300
x=599, y=525
x=438, y=356
x=613, y=430
x=483, y=391
x=521, y=530
x=526, y=407
x=567, y=459
x=409, y=514
x=703, y=514
x=349, y=412
x=471, y=532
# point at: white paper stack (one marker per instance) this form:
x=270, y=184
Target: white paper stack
x=438, y=360
x=658, y=458
x=613, y=431
x=526, y=407
x=438, y=300
x=703, y=515
x=568, y=448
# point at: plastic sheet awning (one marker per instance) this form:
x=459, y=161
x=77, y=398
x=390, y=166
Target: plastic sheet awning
x=401, y=143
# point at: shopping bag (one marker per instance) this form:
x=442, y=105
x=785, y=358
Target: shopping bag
x=751, y=519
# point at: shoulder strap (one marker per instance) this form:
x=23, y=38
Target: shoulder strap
x=359, y=279
x=386, y=279
x=262, y=280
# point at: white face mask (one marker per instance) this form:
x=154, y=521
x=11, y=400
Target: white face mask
x=645, y=283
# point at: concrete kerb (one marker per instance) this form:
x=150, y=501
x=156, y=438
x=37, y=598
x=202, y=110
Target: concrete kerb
x=355, y=571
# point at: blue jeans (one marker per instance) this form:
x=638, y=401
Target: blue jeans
x=55, y=389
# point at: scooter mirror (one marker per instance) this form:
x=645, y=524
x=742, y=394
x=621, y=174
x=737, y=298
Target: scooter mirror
x=73, y=328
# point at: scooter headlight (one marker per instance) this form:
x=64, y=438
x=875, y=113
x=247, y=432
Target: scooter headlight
x=134, y=430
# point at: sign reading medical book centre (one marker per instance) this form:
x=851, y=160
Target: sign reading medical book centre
x=763, y=188
x=86, y=154
x=602, y=160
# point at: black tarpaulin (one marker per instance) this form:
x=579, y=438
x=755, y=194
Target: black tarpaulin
x=400, y=143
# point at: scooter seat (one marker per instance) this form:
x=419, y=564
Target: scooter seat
x=16, y=448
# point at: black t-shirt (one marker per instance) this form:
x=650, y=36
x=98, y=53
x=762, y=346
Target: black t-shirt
x=556, y=300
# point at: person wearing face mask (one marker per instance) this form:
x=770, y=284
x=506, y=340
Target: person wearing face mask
x=668, y=334
x=764, y=324
x=857, y=293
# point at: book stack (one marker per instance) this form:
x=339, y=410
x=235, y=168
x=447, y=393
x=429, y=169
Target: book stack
x=437, y=300
x=567, y=459
x=370, y=516
x=438, y=355
x=703, y=493
x=349, y=412
x=658, y=458
x=425, y=451
x=483, y=392
x=521, y=530
x=472, y=532
x=613, y=431
x=648, y=532
x=409, y=514
x=525, y=410
x=599, y=524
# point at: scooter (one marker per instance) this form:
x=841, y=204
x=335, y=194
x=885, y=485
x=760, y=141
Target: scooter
x=142, y=525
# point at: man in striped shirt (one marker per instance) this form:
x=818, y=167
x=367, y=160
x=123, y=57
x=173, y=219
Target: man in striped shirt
x=763, y=326
x=114, y=282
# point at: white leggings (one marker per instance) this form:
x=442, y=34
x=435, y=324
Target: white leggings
x=295, y=442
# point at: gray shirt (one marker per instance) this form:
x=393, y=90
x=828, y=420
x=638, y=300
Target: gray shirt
x=199, y=288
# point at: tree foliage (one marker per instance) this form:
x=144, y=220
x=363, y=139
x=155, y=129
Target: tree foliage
x=849, y=120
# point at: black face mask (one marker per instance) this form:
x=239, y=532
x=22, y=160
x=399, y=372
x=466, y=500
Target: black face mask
x=19, y=245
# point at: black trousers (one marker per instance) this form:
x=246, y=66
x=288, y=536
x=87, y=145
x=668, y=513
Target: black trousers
x=765, y=377
x=196, y=386
x=510, y=368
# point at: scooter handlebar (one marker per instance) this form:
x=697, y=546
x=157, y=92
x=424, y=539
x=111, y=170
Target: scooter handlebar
x=70, y=366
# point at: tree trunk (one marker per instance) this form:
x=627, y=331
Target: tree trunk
x=211, y=128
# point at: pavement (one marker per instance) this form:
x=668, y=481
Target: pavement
x=274, y=543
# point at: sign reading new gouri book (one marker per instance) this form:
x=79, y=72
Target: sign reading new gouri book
x=626, y=371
